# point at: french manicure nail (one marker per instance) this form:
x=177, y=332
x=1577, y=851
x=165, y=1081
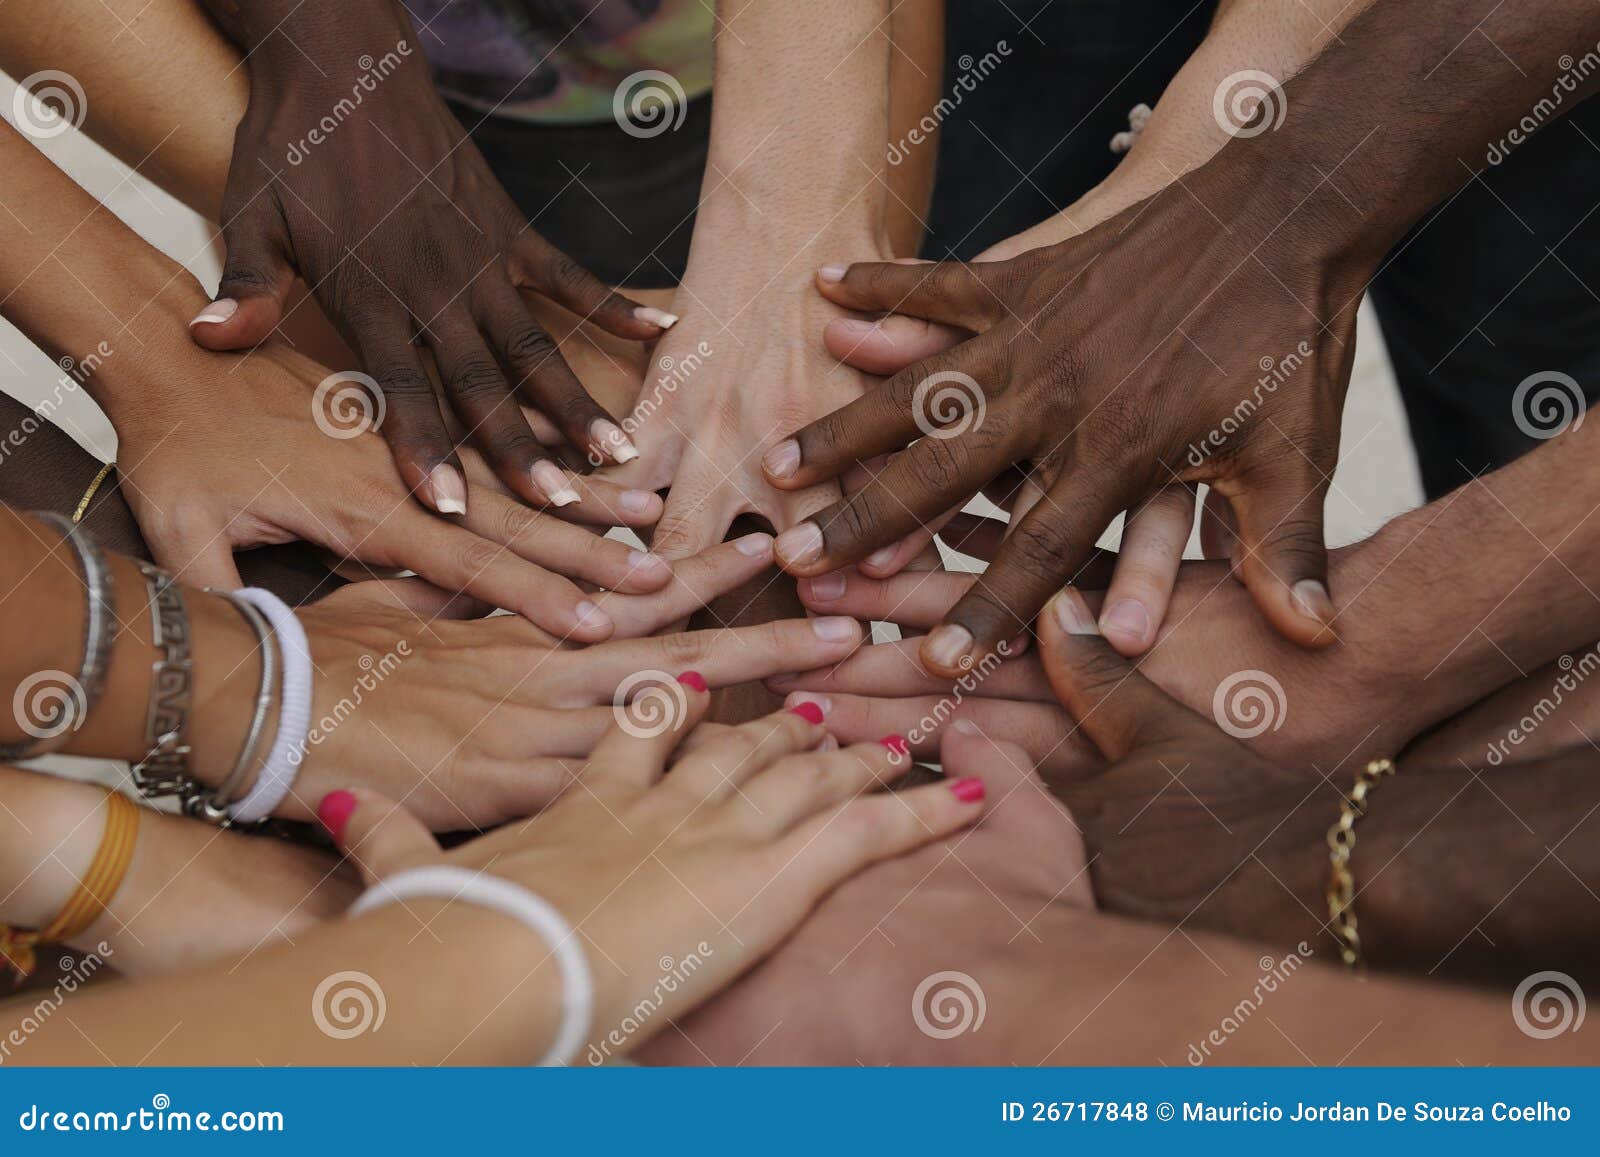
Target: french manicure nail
x=609, y=437
x=635, y=501
x=754, y=545
x=656, y=317
x=800, y=544
x=879, y=559
x=833, y=274
x=834, y=628
x=783, y=459
x=446, y=490
x=896, y=744
x=947, y=644
x=220, y=310
x=1312, y=599
x=1128, y=618
x=693, y=680
x=969, y=790
x=553, y=481
x=1071, y=614
x=335, y=811
x=810, y=712
x=825, y=588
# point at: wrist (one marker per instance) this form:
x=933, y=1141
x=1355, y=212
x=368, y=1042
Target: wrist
x=51, y=833
x=132, y=380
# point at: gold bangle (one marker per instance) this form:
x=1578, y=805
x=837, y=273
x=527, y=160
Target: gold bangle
x=1341, y=842
x=94, y=891
x=88, y=495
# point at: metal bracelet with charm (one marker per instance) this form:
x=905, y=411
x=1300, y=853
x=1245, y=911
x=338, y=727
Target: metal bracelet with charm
x=164, y=771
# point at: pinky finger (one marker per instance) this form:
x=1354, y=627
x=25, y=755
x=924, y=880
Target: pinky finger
x=840, y=842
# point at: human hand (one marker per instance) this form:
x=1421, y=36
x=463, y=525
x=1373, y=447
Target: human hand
x=400, y=229
x=716, y=864
x=473, y=722
x=1058, y=328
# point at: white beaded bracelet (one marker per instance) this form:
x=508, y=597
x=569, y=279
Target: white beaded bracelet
x=294, y=710
x=449, y=882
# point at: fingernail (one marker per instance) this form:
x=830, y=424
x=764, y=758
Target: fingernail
x=798, y=697
x=896, y=744
x=639, y=560
x=879, y=559
x=947, y=644
x=833, y=274
x=834, y=628
x=553, y=481
x=829, y=743
x=810, y=712
x=590, y=615
x=1071, y=615
x=656, y=317
x=635, y=501
x=1312, y=599
x=965, y=727
x=969, y=790
x=1128, y=617
x=220, y=310
x=693, y=680
x=445, y=489
x=800, y=544
x=610, y=437
x=825, y=588
x=783, y=459
x=335, y=811
x=854, y=327
x=754, y=545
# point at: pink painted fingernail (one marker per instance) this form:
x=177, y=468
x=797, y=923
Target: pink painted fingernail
x=969, y=790
x=800, y=544
x=896, y=744
x=833, y=274
x=693, y=680
x=796, y=698
x=218, y=311
x=335, y=811
x=783, y=459
x=810, y=712
x=825, y=588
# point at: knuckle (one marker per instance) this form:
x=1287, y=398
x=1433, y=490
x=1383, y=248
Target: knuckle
x=937, y=464
x=479, y=554
x=530, y=345
x=477, y=378
x=684, y=651
x=1040, y=549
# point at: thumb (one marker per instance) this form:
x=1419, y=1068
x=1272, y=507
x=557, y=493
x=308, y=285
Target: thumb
x=1116, y=706
x=256, y=278
x=376, y=834
x=888, y=346
x=1282, y=556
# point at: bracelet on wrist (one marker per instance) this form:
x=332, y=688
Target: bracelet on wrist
x=215, y=807
x=164, y=770
x=283, y=759
x=1341, y=842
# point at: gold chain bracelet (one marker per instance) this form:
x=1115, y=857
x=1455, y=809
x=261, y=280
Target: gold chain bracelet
x=1341, y=842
